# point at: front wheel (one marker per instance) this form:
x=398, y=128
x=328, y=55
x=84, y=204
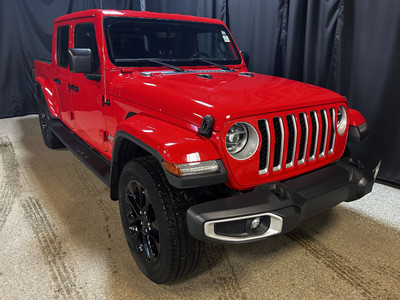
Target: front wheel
x=153, y=215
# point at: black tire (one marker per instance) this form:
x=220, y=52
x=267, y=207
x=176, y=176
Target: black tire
x=163, y=249
x=49, y=138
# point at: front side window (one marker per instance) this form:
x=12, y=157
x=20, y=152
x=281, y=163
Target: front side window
x=62, y=46
x=133, y=42
x=85, y=37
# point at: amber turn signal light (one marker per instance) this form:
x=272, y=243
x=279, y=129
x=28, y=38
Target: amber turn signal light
x=172, y=168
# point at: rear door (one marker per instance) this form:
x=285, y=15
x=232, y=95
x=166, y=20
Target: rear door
x=61, y=73
x=87, y=93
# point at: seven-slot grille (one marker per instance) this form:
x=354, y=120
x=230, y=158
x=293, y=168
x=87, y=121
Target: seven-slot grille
x=307, y=136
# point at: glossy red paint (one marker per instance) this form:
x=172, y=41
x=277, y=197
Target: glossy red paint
x=175, y=144
x=356, y=118
x=226, y=96
x=245, y=174
x=169, y=107
x=42, y=70
x=88, y=114
x=63, y=75
x=100, y=14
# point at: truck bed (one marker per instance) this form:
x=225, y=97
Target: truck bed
x=42, y=68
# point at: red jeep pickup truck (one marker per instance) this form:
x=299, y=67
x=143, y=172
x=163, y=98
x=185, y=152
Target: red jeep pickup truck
x=163, y=109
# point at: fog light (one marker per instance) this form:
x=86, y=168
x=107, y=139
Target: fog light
x=255, y=223
x=258, y=225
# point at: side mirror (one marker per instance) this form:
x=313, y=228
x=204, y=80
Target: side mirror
x=80, y=60
x=246, y=57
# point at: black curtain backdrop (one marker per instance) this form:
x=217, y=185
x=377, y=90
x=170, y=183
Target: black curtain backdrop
x=25, y=34
x=351, y=47
x=369, y=75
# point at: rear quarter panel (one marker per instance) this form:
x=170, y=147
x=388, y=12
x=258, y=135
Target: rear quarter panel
x=43, y=76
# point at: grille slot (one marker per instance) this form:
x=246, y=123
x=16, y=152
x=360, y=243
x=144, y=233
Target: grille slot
x=303, y=138
x=314, y=135
x=292, y=138
x=324, y=133
x=333, y=131
x=265, y=145
x=279, y=143
x=307, y=135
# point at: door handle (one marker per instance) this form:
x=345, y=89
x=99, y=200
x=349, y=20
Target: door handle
x=74, y=88
x=58, y=81
x=106, y=102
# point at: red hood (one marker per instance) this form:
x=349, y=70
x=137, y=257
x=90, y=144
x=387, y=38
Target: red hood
x=226, y=96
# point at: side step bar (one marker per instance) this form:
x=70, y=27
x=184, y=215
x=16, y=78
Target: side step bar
x=99, y=165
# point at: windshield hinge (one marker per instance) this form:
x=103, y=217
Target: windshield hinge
x=206, y=127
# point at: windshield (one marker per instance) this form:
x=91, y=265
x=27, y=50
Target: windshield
x=135, y=42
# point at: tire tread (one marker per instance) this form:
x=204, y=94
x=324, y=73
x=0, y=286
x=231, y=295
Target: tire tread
x=175, y=205
x=49, y=137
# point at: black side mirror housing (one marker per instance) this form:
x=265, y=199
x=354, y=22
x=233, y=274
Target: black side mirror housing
x=246, y=57
x=80, y=60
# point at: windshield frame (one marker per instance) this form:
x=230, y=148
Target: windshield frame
x=173, y=61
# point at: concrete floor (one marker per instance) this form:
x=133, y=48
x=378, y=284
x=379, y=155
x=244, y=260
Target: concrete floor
x=60, y=237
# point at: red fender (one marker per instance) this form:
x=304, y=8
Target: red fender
x=49, y=95
x=42, y=72
x=356, y=118
x=174, y=144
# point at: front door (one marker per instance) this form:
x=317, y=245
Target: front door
x=86, y=94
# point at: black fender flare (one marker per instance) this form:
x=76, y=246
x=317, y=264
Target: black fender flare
x=178, y=182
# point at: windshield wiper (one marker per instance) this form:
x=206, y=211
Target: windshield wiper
x=213, y=63
x=149, y=60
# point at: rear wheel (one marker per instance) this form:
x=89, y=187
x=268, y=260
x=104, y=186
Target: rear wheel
x=153, y=215
x=50, y=139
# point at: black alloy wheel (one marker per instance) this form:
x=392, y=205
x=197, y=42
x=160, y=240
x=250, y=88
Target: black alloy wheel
x=153, y=215
x=142, y=222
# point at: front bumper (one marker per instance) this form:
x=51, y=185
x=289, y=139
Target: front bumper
x=279, y=207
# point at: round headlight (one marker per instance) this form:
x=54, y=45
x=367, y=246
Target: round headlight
x=341, y=120
x=236, y=138
x=241, y=140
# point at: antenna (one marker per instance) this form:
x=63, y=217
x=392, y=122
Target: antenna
x=101, y=4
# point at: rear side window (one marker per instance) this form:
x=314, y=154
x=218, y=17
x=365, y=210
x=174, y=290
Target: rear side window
x=62, y=46
x=85, y=37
